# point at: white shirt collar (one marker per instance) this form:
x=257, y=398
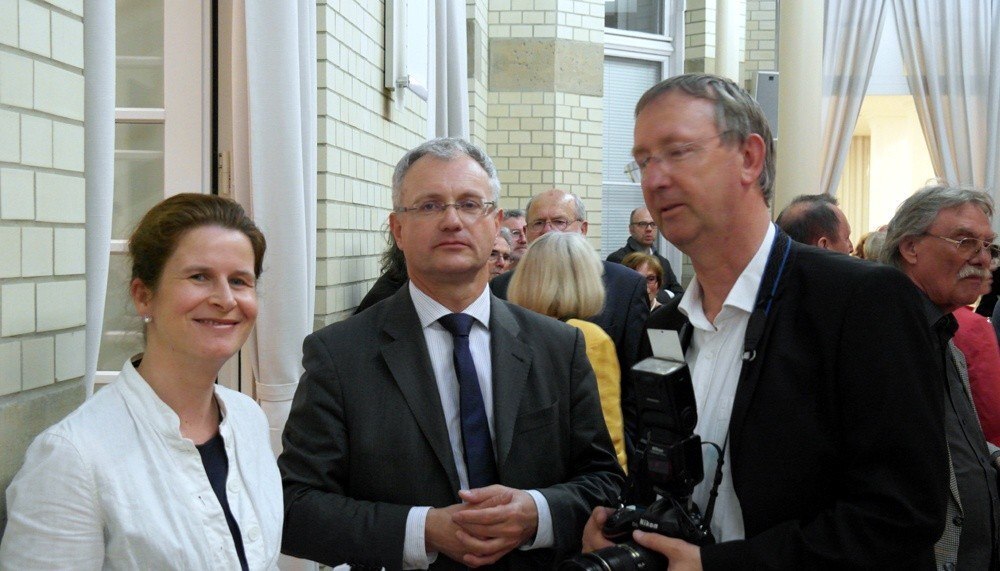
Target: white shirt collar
x=429, y=310
x=744, y=292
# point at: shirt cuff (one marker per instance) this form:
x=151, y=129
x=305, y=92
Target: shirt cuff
x=543, y=535
x=415, y=555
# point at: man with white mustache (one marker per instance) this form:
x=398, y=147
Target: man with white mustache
x=941, y=238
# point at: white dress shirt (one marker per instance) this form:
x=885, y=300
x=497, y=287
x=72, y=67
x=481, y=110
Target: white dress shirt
x=716, y=358
x=440, y=346
x=114, y=485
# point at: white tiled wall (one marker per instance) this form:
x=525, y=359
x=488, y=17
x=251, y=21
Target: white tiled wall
x=42, y=200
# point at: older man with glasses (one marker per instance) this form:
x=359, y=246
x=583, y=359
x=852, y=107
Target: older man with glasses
x=642, y=234
x=941, y=237
x=626, y=305
x=811, y=370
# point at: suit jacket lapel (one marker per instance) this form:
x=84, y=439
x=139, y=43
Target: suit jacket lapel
x=511, y=362
x=773, y=284
x=405, y=353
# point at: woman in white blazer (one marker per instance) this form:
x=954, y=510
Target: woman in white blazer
x=163, y=468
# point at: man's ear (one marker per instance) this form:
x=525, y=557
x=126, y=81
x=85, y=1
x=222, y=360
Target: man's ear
x=823, y=242
x=908, y=249
x=395, y=228
x=583, y=227
x=754, y=151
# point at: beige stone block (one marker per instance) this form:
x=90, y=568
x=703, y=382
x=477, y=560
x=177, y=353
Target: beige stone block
x=33, y=28
x=10, y=143
x=74, y=6
x=36, y=251
x=36, y=141
x=59, y=198
x=15, y=80
x=17, y=309
x=38, y=362
x=61, y=305
x=67, y=146
x=17, y=194
x=58, y=91
x=70, y=251
x=71, y=356
x=8, y=22
x=67, y=40
x=10, y=367
x=10, y=252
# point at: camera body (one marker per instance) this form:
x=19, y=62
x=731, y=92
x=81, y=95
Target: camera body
x=667, y=468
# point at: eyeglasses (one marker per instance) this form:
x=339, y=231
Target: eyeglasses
x=494, y=255
x=559, y=224
x=643, y=225
x=467, y=208
x=970, y=247
x=671, y=155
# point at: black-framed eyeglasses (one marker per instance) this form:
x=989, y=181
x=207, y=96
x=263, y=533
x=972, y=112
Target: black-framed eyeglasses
x=559, y=224
x=494, y=255
x=969, y=247
x=643, y=225
x=468, y=208
x=670, y=154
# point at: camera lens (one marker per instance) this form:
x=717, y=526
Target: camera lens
x=627, y=556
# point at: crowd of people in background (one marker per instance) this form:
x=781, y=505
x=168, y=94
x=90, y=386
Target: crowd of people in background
x=479, y=408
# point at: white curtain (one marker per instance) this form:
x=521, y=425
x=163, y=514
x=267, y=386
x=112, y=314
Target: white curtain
x=451, y=93
x=99, y=164
x=850, y=40
x=993, y=115
x=274, y=174
x=949, y=51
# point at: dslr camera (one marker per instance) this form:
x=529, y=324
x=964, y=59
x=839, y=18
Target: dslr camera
x=667, y=467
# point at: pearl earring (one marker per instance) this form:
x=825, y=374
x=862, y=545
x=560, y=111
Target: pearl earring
x=146, y=318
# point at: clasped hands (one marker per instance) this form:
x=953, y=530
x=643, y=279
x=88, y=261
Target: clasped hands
x=488, y=524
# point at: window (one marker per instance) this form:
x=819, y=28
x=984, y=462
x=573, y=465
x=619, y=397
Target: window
x=636, y=15
x=161, y=66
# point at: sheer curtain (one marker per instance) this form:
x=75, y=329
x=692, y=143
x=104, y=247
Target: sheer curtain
x=451, y=95
x=274, y=175
x=99, y=164
x=993, y=115
x=850, y=39
x=949, y=52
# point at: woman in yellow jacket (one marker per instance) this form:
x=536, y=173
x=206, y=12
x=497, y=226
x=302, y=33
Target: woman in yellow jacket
x=560, y=276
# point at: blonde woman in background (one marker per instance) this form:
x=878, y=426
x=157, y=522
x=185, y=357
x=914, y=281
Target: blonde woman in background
x=560, y=276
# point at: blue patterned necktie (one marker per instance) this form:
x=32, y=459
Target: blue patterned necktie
x=476, y=441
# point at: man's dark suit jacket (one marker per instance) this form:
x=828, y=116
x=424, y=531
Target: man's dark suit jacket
x=623, y=318
x=366, y=437
x=837, y=429
x=670, y=282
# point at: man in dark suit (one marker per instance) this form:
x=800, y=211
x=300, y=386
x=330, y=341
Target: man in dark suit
x=444, y=427
x=812, y=370
x=626, y=304
x=642, y=234
x=815, y=219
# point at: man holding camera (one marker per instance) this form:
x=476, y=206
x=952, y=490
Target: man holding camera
x=814, y=372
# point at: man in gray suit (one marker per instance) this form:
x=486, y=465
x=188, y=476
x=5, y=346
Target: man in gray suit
x=444, y=427
x=942, y=239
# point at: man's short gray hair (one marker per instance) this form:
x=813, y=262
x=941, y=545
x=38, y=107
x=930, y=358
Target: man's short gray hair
x=513, y=213
x=916, y=214
x=580, y=211
x=446, y=148
x=737, y=114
